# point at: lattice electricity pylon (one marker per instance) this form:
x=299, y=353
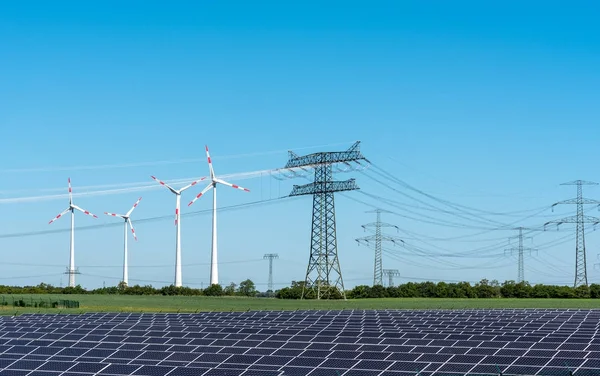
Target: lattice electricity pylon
x=391, y=273
x=377, y=239
x=520, y=249
x=271, y=257
x=580, y=219
x=323, y=246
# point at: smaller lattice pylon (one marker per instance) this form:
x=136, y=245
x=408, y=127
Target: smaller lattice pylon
x=376, y=240
x=520, y=249
x=270, y=257
x=391, y=273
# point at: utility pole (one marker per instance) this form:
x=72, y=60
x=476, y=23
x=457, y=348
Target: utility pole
x=377, y=239
x=391, y=273
x=520, y=250
x=580, y=219
x=271, y=257
x=323, y=242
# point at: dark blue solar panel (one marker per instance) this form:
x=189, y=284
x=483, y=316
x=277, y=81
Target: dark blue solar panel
x=9, y=372
x=153, y=371
x=447, y=342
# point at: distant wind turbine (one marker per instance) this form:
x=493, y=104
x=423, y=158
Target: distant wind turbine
x=71, y=271
x=127, y=219
x=177, y=193
x=214, y=267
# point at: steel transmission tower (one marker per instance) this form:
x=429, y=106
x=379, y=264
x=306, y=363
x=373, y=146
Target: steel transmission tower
x=520, y=249
x=391, y=273
x=271, y=257
x=580, y=219
x=378, y=238
x=323, y=260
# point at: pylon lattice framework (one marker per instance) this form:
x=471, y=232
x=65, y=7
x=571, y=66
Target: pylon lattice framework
x=323, y=260
x=391, y=273
x=377, y=239
x=270, y=257
x=520, y=249
x=580, y=219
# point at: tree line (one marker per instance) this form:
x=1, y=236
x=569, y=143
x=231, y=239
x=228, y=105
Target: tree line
x=245, y=288
x=462, y=290
x=484, y=289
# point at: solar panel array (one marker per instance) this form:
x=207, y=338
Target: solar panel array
x=299, y=343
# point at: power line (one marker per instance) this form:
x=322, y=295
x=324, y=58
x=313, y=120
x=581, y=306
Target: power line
x=164, y=162
x=145, y=220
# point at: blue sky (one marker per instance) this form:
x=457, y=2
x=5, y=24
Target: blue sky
x=488, y=106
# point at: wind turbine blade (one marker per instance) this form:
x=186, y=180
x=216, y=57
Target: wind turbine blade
x=210, y=166
x=133, y=207
x=132, y=230
x=208, y=187
x=70, y=192
x=60, y=215
x=232, y=185
x=192, y=184
x=84, y=211
x=114, y=215
x=165, y=184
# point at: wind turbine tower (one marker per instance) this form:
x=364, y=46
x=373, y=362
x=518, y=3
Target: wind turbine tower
x=214, y=266
x=127, y=220
x=177, y=193
x=71, y=271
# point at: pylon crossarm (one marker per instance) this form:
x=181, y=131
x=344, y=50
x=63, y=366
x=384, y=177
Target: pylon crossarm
x=328, y=158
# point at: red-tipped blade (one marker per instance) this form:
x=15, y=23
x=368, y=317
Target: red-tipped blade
x=60, y=215
x=210, y=166
x=233, y=185
x=134, y=206
x=200, y=194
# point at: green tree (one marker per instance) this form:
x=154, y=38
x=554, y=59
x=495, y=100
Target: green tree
x=247, y=288
x=214, y=290
x=230, y=290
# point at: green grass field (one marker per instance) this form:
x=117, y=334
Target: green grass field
x=121, y=303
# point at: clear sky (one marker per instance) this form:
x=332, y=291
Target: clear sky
x=490, y=106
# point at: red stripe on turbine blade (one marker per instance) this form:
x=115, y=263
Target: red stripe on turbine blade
x=199, y=194
x=247, y=190
x=209, y=161
x=234, y=186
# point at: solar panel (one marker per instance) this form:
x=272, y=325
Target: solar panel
x=386, y=342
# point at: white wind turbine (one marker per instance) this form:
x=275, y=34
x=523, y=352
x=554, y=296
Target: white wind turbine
x=127, y=219
x=214, y=266
x=72, y=207
x=177, y=193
